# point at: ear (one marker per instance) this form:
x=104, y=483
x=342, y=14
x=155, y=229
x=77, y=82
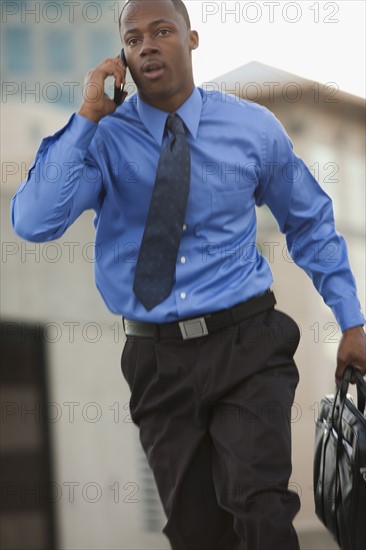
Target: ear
x=194, y=40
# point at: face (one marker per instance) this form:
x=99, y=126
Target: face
x=158, y=48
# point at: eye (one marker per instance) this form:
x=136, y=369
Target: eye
x=132, y=42
x=164, y=32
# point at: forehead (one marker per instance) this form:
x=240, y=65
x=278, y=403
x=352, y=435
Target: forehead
x=139, y=13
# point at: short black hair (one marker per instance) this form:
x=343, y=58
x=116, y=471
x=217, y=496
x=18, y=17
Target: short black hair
x=178, y=5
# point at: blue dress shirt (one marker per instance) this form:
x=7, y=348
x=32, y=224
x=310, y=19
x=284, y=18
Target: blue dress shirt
x=240, y=157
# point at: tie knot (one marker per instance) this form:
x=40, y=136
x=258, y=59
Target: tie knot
x=175, y=124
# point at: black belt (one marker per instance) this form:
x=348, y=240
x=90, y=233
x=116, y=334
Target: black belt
x=201, y=326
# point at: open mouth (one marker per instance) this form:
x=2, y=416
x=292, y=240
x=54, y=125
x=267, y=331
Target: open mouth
x=153, y=70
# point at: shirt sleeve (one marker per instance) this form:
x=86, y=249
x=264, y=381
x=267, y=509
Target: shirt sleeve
x=304, y=213
x=62, y=182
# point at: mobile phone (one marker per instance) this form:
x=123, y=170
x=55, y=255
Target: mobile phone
x=123, y=57
x=118, y=92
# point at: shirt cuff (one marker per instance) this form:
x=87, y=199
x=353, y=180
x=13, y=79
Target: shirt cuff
x=348, y=313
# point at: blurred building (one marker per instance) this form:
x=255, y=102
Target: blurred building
x=104, y=494
x=50, y=45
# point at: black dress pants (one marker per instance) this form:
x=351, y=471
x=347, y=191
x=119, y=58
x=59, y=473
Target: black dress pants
x=214, y=418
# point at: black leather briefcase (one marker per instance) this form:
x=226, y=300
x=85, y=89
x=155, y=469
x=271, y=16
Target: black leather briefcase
x=340, y=464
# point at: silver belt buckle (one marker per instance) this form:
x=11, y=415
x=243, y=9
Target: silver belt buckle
x=193, y=328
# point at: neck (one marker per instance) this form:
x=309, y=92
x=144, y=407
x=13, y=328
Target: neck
x=167, y=104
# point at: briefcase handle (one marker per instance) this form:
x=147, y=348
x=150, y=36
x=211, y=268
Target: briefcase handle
x=343, y=388
x=361, y=390
x=361, y=387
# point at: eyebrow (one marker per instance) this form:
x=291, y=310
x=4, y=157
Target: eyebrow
x=152, y=24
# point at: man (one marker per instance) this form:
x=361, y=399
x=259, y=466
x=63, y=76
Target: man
x=222, y=479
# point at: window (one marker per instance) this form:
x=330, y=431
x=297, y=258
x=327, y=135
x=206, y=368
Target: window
x=18, y=46
x=102, y=44
x=28, y=514
x=60, y=51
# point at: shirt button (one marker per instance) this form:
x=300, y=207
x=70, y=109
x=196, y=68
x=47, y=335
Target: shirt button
x=184, y=227
x=183, y=295
x=183, y=260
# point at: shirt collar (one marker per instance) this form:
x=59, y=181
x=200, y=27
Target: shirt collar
x=155, y=119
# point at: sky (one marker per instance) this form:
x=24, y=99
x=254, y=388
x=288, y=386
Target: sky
x=321, y=41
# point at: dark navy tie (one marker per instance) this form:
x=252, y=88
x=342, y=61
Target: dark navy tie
x=157, y=258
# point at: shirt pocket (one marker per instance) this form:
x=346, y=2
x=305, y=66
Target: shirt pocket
x=232, y=211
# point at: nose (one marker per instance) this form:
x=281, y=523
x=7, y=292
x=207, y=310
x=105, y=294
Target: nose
x=148, y=46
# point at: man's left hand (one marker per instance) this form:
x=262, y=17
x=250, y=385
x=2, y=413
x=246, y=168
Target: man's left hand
x=351, y=351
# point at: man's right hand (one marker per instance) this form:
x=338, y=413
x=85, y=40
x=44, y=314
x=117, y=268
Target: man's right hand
x=97, y=104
